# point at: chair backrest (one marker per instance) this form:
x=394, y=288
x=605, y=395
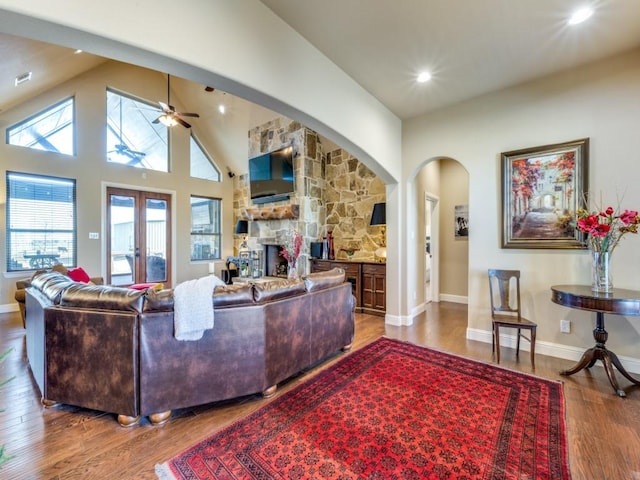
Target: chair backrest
x=502, y=283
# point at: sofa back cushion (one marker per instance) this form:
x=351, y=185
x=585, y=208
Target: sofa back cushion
x=233, y=295
x=277, y=289
x=103, y=297
x=322, y=280
x=51, y=284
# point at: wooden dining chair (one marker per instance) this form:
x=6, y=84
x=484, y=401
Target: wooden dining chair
x=506, y=312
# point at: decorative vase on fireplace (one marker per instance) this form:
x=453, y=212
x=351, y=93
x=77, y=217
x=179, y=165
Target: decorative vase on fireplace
x=292, y=270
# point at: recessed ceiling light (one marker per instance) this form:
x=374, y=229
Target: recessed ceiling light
x=423, y=77
x=222, y=109
x=580, y=16
x=78, y=51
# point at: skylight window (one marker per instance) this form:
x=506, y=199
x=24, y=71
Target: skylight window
x=51, y=130
x=132, y=138
x=202, y=165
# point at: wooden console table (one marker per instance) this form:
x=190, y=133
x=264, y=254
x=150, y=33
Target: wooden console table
x=368, y=280
x=619, y=302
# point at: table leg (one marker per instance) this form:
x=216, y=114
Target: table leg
x=600, y=352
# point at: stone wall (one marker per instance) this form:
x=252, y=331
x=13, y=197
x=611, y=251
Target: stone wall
x=351, y=190
x=335, y=192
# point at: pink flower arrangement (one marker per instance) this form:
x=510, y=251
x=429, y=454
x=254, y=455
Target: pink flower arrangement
x=606, y=228
x=292, y=247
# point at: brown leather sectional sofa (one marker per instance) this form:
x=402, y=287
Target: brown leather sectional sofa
x=113, y=349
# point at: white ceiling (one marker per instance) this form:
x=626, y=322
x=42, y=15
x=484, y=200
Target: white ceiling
x=471, y=47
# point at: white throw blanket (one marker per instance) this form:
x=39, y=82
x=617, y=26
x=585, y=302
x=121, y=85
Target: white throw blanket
x=193, y=307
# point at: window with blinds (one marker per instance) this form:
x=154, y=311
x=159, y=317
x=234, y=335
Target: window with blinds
x=41, y=221
x=205, y=228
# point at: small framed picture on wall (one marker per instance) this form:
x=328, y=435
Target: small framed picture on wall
x=461, y=215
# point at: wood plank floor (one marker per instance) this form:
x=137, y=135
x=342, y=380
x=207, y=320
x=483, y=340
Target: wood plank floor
x=70, y=443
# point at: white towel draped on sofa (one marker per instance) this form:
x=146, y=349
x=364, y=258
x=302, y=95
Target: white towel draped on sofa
x=193, y=307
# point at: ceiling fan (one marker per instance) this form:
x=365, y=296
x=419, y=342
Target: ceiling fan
x=169, y=116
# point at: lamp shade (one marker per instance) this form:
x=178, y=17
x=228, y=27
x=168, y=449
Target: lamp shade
x=242, y=227
x=379, y=215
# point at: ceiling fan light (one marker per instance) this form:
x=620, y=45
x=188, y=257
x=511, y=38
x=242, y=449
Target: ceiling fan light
x=167, y=120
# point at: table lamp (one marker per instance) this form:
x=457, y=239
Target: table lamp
x=379, y=217
x=242, y=228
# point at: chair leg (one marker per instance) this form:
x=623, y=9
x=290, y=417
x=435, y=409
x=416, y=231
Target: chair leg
x=518, y=345
x=533, y=348
x=493, y=337
x=496, y=336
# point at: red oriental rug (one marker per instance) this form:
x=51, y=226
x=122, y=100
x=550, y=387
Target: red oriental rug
x=393, y=410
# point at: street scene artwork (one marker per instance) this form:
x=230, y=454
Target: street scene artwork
x=542, y=189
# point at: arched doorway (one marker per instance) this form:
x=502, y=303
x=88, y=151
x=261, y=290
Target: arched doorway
x=441, y=190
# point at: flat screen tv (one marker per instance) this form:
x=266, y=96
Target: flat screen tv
x=271, y=176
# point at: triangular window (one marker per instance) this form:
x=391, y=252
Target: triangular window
x=202, y=165
x=132, y=137
x=51, y=130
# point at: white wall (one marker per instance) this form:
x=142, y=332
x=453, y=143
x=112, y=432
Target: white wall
x=600, y=101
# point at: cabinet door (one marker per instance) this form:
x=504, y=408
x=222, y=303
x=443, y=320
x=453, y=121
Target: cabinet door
x=374, y=288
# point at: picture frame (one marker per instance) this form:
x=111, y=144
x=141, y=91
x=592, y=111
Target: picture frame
x=542, y=190
x=461, y=216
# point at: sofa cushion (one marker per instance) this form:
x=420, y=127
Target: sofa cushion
x=321, y=280
x=233, y=295
x=82, y=295
x=78, y=275
x=274, y=290
x=157, y=300
x=51, y=284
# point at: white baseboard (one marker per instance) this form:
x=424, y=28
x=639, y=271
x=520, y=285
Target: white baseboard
x=9, y=307
x=445, y=297
x=566, y=352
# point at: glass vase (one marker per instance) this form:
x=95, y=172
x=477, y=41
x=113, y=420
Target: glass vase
x=292, y=271
x=601, y=281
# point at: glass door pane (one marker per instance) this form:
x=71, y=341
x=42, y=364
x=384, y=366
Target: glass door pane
x=123, y=241
x=156, y=230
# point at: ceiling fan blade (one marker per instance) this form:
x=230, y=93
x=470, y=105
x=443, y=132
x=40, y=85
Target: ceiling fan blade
x=188, y=114
x=165, y=107
x=157, y=120
x=182, y=122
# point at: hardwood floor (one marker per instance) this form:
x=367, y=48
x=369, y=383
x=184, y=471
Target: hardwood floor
x=65, y=442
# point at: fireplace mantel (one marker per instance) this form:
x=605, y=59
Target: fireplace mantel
x=277, y=212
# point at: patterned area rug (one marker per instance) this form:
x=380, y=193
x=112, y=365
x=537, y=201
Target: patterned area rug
x=393, y=410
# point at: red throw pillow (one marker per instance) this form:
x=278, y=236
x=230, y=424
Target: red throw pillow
x=144, y=286
x=78, y=275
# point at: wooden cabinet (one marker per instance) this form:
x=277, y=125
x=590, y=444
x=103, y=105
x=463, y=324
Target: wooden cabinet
x=368, y=282
x=374, y=288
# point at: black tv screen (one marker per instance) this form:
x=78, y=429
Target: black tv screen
x=271, y=176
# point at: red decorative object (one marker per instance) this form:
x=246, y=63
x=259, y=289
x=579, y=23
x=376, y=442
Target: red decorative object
x=394, y=410
x=78, y=275
x=332, y=255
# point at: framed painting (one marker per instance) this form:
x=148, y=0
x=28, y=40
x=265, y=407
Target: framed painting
x=542, y=189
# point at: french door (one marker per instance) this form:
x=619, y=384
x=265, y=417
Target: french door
x=139, y=237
